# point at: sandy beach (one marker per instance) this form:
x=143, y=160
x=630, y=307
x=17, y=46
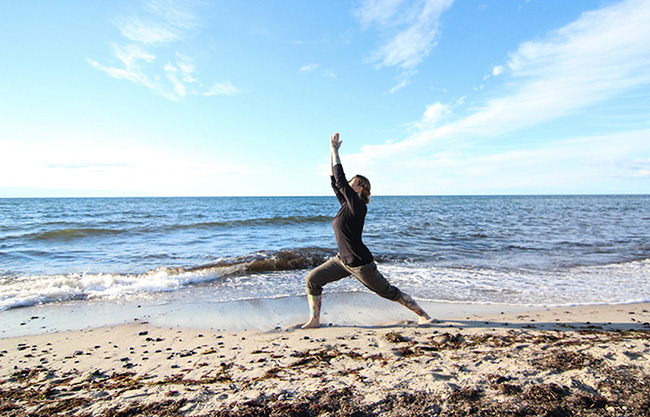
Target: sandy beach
x=590, y=360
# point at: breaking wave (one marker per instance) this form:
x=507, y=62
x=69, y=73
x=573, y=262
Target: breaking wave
x=42, y=289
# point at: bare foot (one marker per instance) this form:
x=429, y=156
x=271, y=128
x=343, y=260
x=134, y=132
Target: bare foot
x=312, y=324
x=424, y=320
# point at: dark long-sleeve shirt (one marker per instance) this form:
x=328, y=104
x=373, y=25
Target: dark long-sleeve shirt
x=349, y=221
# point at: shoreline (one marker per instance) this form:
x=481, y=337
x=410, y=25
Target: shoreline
x=592, y=359
x=175, y=310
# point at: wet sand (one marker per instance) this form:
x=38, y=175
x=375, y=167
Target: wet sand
x=590, y=360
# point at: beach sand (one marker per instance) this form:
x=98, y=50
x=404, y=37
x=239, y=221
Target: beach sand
x=588, y=360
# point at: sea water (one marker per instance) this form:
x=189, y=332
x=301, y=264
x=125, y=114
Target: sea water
x=518, y=250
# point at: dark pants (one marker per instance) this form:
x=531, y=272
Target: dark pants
x=334, y=269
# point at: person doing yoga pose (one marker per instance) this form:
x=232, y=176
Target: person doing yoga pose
x=353, y=257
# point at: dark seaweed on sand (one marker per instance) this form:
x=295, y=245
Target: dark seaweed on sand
x=621, y=390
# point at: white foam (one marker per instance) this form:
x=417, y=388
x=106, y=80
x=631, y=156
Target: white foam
x=33, y=290
x=613, y=283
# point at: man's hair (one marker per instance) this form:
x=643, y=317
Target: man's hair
x=365, y=188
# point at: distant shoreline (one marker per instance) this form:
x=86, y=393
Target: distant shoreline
x=329, y=196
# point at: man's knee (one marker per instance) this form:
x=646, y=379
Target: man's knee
x=312, y=284
x=394, y=294
x=388, y=291
x=370, y=276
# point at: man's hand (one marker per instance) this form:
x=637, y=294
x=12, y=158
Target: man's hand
x=335, y=143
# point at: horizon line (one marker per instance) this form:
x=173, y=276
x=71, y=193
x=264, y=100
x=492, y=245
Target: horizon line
x=325, y=196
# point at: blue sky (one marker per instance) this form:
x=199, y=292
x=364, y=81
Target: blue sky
x=220, y=98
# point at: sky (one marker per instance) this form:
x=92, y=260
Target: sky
x=239, y=98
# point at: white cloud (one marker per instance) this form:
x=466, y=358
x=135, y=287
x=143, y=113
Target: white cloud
x=403, y=83
x=186, y=67
x=172, y=74
x=323, y=72
x=435, y=113
x=177, y=13
x=138, y=31
x=132, y=58
x=164, y=21
x=160, y=25
x=498, y=70
x=310, y=68
x=408, y=28
x=380, y=12
x=604, y=54
x=221, y=89
x=406, y=49
x=576, y=67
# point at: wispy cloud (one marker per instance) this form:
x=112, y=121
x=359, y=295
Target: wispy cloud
x=497, y=70
x=146, y=55
x=310, y=68
x=603, y=54
x=133, y=59
x=435, y=114
x=221, y=89
x=163, y=21
x=177, y=13
x=408, y=29
x=403, y=82
x=317, y=68
x=148, y=33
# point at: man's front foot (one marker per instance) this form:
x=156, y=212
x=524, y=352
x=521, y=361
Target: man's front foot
x=425, y=320
x=312, y=324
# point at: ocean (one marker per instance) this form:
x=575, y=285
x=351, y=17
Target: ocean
x=514, y=250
